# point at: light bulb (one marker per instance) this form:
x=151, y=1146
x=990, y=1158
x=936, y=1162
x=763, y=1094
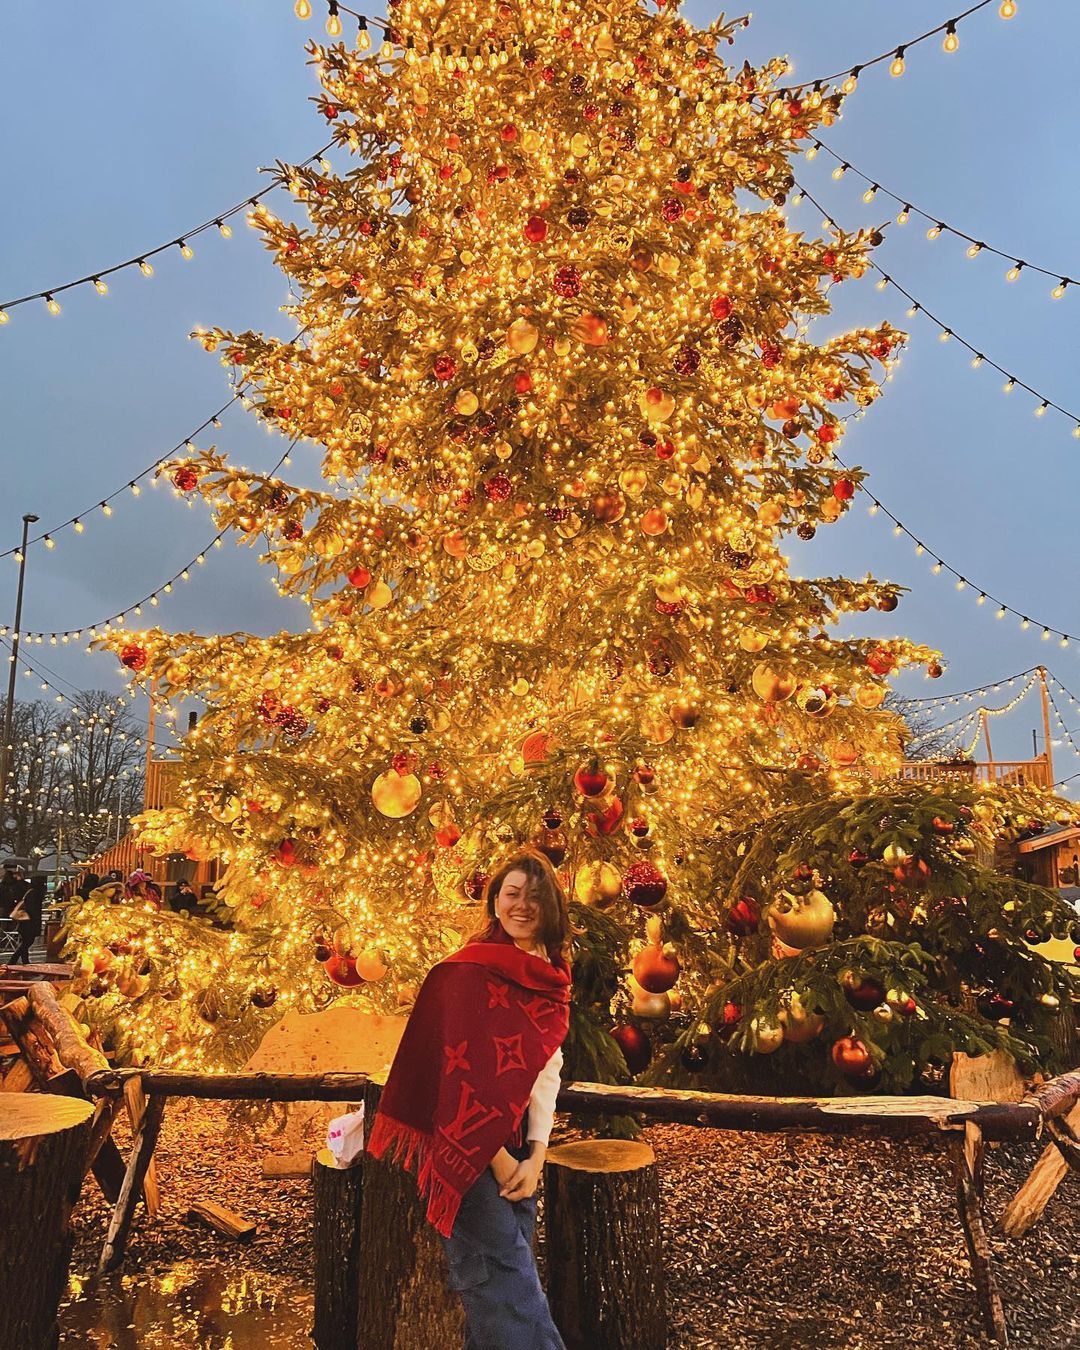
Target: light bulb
x=904, y=216
x=848, y=87
x=333, y=23
x=839, y=171
x=976, y=361
x=1008, y=386
x=106, y=509
x=53, y=306
x=49, y=541
x=186, y=251
x=225, y=229
x=4, y=316
x=870, y=193
x=952, y=42
x=1013, y=272
x=363, y=37
x=1059, y=289
x=974, y=250
x=934, y=231
x=944, y=335
x=100, y=286
x=1008, y=9
x=897, y=67
x=78, y=526
x=1040, y=411
x=145, y=268
x=302, y=9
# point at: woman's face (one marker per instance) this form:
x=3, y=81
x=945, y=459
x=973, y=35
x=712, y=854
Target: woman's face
x=516, y=910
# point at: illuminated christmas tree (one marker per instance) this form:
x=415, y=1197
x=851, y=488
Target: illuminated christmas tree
x=556, y=353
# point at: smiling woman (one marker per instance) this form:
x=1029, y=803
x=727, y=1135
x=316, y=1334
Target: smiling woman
x=493, y=1016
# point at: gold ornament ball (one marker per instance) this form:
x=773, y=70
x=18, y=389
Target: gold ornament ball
x=396, y=794
x=522, y=337
x=770, y=685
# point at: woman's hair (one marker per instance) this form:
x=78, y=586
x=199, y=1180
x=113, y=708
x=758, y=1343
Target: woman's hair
x=543, y=887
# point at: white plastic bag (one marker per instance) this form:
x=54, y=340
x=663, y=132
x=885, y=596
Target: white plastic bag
x=345, y=1137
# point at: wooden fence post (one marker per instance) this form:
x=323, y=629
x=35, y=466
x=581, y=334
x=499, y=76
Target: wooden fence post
x=338, y=1196
x=603, y=1240
x=404, y=1301
x=43, y=1142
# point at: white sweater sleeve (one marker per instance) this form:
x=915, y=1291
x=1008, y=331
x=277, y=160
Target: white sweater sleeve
x=542, y=1101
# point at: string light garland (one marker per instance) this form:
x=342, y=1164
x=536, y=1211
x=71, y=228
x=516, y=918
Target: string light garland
x=963, y=582
x=897, y=56
x=103, y=504
x=916, y=307
x=181, y=242
x=979, y=691
x=938, y=226
x=120, y=701
x=105, y=626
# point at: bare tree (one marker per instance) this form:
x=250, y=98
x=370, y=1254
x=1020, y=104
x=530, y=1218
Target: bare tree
x=929, y=737
x=76, y=775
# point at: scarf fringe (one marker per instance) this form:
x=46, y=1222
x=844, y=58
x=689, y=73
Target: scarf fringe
x=410, y=1149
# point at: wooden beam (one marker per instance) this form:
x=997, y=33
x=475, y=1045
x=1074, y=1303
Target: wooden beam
x=271, y=1087
x=222, y=1220
x=897, y=1116
x=142, y=1150
x=135, y=1100
x=969, y=1166
x=1025, y=1208
x=1059, y=1096
x=71, y=1045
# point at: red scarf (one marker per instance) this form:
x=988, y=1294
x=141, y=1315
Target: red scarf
x=486, y=1021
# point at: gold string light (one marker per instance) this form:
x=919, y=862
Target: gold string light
x=978, y=358
x=96, y=278
x=938, y=226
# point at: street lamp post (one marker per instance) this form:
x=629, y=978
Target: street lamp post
x=9, y=710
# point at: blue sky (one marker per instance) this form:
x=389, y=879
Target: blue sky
x=126, y=123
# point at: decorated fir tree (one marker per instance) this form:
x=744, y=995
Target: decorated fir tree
x=556, y=355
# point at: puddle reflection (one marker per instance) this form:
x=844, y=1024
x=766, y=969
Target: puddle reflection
x=197, y=1306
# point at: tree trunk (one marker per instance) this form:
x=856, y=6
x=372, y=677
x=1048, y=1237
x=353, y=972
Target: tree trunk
x=404, y=1300
x=43, y=1143
x=603, y=1243
x=338, y=1198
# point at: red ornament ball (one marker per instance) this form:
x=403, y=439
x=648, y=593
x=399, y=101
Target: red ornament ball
x=743, y=918
x=672, y=210
x=656, y=970
x=498, y=487
x=863, y=992
x=567, y=282
x=644, y=884
x=133, y=656
x=721, y=307
x=186, y=478
x=535, y=229
x=635, y=1048
x=342, y=970
x=826, y=433
x=359, y=577
x=444, y=367
x=852, y=1058
x=843, y=489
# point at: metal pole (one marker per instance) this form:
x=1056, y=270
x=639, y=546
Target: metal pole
x=9, y=710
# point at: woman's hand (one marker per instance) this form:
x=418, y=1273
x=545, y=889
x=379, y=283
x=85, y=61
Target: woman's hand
x=503, y=1167
x=525, y=1178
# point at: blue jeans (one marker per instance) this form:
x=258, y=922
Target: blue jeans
x=493, y=1270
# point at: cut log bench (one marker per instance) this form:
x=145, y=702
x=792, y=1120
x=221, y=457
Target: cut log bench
x=43, y=1146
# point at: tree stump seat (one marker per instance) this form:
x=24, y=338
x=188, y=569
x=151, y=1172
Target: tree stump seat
x=43, y=1147
x=338, y=1194
x=604, y=1245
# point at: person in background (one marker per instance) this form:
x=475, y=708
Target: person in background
x=141, y=886
x=12, y=888
x=184, y=897
x=90, y=882
x=32, y=904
